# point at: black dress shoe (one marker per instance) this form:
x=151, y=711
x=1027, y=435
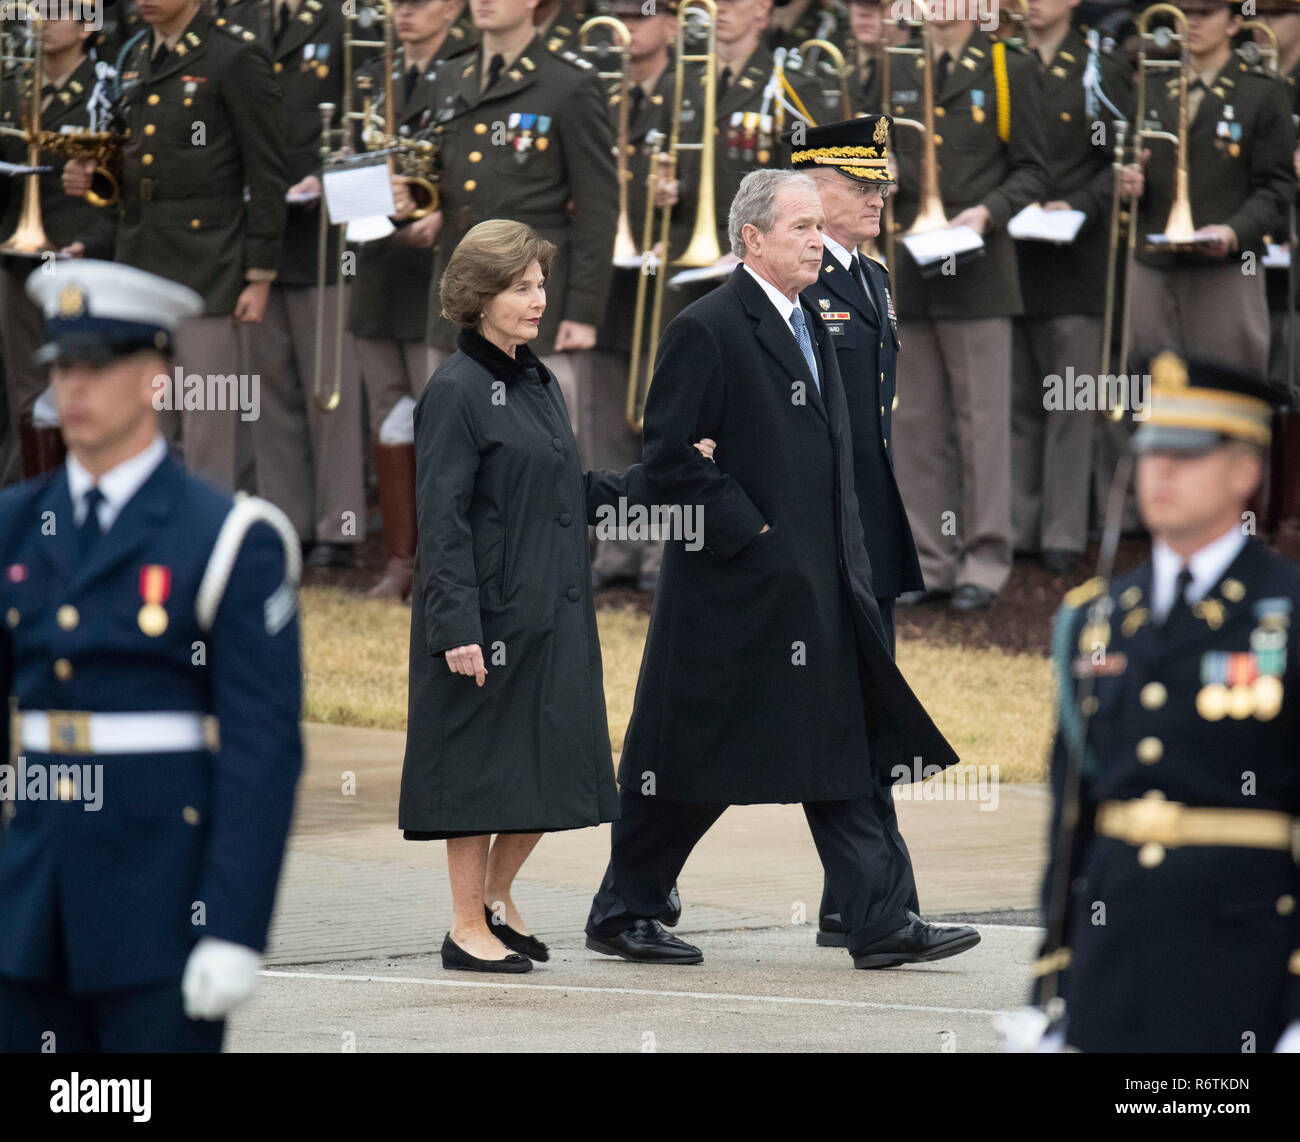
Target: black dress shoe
x=456, y=958
x=646, y=942
x=830, y=932
x=529, y=946
x=917, y=942
x=1060, y=562
x=331, y=556
x=921, y=598
x=669, y=919
x=969, y=597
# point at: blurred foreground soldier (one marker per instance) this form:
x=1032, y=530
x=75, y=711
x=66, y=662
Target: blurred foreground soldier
x=72, y=226
x=1177, y=700
x=143, y=609
x=1064, y=288
x=203, y=184
x=848, y=162
x=1241, y=179
x=805, y=705
x=954, y=415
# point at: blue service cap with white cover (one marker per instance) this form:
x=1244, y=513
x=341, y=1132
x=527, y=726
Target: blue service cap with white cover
x=98, y=312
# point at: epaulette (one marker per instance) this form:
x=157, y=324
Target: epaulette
x=237, y=30
x=1085, y=592
x=576, y=60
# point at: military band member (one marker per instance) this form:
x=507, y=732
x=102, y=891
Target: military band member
x=796, y=21
x=1064, y=288
x=202, y=198
x=1178, y=700
x=606, y=440
x=524, y=134
x=557, y=22
x=954, y=418
x=871, y=31
x=1241, y=180
x=389, y=302
x=143, y=608
x=72, y=226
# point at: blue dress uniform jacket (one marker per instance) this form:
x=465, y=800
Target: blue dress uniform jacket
x=865, y=338
x=185, y=844
x=1194, y=947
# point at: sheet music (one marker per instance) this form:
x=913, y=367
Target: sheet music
x=935, y=245
x=360, y=192
x=1034, y=224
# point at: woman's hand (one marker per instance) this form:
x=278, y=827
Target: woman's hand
x=468, y=660
x=706, y=447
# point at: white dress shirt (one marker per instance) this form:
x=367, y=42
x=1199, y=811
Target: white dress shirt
x=1207, y=567
x=118, y=484
x=784, y=306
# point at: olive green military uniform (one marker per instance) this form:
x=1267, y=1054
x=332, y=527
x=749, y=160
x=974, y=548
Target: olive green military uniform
x=1276, y=281
x=66, y=220
x=204, y=179
x=561, y=34
x=953, y=428
x=309, y=461
x=814, y=22
x=536, y=147
x=1240, y=174
x=1064, y=290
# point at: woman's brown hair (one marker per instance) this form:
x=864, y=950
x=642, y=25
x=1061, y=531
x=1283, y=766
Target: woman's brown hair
x=488, y=260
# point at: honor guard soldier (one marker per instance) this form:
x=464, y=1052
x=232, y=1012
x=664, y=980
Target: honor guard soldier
x=309, y=460
x=954, y=417
x=1063, y=285
x=389, y=302
x=849, y=164
x=1241, y=180
x=146, y=614
x=71, y=225
x=202, y=197
x=1174, y=868
x=524, y=133
x=607, y=441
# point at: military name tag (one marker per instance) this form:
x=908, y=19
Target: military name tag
x=835, y=329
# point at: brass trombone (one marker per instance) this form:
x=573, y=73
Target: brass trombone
x=1255, y=54
x=625, y=253
x=838, y=65
x=930, y=213
x=702, y=249
x=29, y=238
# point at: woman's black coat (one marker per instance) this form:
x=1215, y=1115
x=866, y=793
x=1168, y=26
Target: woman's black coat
x=502, y=561
x=766, y=677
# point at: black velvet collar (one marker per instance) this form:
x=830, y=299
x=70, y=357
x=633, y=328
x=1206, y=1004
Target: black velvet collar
x=511, y=370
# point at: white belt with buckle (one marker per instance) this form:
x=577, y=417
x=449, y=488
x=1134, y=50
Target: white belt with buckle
x=78, y=731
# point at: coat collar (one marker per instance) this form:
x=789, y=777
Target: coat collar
x=514, y=79
x=188, y=48
x=975, y=58
x=511, y=370
x=836, y=280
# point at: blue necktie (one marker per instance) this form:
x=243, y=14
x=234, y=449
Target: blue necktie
x=90, y=530
x=805, y=342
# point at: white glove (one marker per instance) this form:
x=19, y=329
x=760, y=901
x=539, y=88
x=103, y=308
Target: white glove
x=1025, y=1031
x=219, y=976
x=1289, y=1044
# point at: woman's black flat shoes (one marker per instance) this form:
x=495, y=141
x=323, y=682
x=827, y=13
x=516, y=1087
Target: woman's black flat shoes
x=528, y=946
x=454, y=957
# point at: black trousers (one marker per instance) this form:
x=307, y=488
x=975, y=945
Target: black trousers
x=654, y=836
x=891, y=860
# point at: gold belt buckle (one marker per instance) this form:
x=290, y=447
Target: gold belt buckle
x=1153, y=819
x=69, y=731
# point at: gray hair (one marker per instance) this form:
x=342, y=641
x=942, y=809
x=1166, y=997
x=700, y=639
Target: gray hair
x=755, y=202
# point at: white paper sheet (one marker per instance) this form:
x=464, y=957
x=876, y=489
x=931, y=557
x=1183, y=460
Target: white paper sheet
x=935, y=245
x=359, y=192
x=1034, y=224
x=1276, y=257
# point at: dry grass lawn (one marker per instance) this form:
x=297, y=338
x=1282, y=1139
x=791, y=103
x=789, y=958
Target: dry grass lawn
x=995, y=708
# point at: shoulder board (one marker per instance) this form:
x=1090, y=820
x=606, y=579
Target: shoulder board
x=238, y=31
x=1085, y=592
x=576, y=60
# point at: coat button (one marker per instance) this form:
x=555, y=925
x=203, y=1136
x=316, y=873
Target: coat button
x=1065, y=116
x=573, y=594
x=1150, y=750
x=62, y=669
x=556, y=444
x=1153, y=695
x=154, y=100
x=12, y=616
x=476, y=156
x=150, y=129
x=939, y=112
x=1285, y=905
x=67, y=618
x=1151, y=854
x=190, y=815
x=65, y=790
x=470, y=185
x=565, y=519
x=147, y=160
x=480, y=128
x=882, y=410
x=195, y=224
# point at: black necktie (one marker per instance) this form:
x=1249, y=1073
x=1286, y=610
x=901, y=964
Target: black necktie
x=412, y=78
x=496, y=65
x=945, y=66
x=868, y=76
x=1180, y=609
x=286, y=15
x=724, y=81
x=864, y=280
x=90, y=530
x=160, y=57
x=636, y=100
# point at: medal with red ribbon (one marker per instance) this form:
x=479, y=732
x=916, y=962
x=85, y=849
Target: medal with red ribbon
x=155, y=586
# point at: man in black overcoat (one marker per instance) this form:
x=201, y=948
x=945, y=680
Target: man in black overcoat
x=766, y=676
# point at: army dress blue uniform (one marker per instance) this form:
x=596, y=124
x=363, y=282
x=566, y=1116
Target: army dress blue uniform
x=120, y=650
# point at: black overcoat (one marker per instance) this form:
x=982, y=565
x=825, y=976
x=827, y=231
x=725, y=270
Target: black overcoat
x=502, y=505
x=766, y=677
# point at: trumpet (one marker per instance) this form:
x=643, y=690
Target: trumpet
x=702, y=249
x=625, y=253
